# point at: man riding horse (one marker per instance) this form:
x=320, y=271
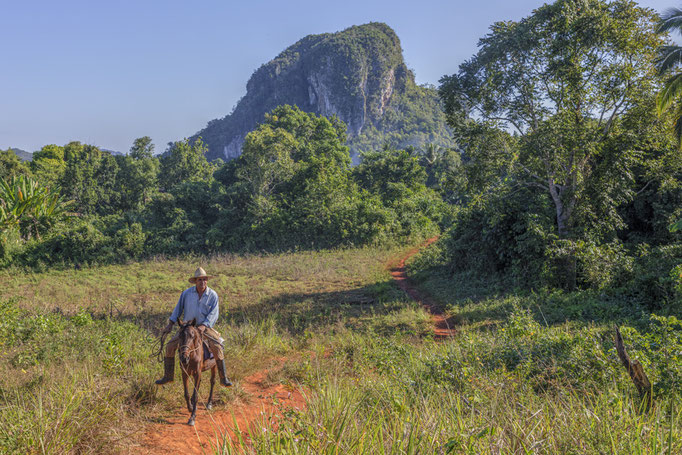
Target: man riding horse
x=201, y=303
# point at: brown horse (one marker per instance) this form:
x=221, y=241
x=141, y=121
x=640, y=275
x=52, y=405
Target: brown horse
x=192, y=363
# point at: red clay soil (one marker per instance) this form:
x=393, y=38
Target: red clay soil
x=441, y=325
x=263, y=402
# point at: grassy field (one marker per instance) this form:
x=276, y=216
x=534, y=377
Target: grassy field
x=526, y=373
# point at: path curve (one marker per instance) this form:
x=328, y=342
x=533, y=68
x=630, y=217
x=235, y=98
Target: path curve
x=442, y=327
x=172, y=435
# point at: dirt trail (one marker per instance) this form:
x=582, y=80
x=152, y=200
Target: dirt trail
x=442, y=327
x=172, y=435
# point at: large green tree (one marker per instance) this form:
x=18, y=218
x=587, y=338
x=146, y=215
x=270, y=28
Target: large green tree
x=48, y=164
x=137, y=178
x=143, y=147
x=184, y=162
x=400, y=181
x=89, y=178
x=562, y=81
x=292, y=186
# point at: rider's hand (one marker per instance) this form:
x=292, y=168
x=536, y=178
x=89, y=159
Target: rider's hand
x=201, y=328
x=168, y=328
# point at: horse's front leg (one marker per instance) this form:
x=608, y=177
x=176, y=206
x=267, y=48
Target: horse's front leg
x=209, y=403
x=185, y=377
x=197, y=381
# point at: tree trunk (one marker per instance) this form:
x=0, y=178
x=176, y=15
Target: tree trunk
x=567, y=264
x=636, y=372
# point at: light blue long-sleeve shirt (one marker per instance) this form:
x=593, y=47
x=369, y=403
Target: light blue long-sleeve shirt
x=204, y=309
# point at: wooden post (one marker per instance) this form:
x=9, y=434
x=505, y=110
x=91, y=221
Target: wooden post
x=636, y=371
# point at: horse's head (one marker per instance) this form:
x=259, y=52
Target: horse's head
x=190, y=341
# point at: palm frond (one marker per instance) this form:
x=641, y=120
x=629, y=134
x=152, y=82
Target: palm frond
x=671, y=19
x=672, y=89
x=669, y=57
x=678, y=126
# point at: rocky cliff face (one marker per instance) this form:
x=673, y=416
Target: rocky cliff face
x=358, y=75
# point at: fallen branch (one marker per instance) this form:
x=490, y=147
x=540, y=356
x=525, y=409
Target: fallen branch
x=636, y=371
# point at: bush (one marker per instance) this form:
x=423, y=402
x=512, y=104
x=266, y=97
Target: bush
x=83, y=243
x=660, y=351
x=656, y=276
x=498, y=236
x=598, y=266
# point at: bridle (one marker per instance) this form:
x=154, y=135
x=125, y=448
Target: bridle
x=185, y=350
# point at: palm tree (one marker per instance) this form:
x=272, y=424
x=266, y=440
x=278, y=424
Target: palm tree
x=669, y=60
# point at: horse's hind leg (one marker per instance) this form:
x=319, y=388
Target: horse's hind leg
x=209, y=403
x=185, y=377
x=197, y=381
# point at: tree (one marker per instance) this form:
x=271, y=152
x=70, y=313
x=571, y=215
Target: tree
x=562, y=81
x=48, y=164
x=400, y=181
x=142, y=148
x=137, y=178
x=11, y=164
x=89, y=178
x=184, y=162
x=290, y=149
x=292, y=186
x=439, y=163
x=390, y=173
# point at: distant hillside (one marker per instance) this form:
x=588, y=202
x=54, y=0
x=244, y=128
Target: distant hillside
x=358, y=75
x=23, y=154
x=112, y=152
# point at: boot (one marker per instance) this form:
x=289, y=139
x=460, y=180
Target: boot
x=168, y=370
x=223, y=375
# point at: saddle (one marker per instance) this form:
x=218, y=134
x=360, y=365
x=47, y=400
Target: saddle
x=207, y=352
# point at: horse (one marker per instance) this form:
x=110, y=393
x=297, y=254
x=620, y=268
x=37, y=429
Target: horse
x=193, y=363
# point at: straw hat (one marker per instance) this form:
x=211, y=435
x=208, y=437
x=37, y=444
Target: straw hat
x=200, y=273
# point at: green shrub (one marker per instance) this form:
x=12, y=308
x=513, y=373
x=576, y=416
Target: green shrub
x=599, y=266
x=659, y=349
x=81, y=243
x=656, y=280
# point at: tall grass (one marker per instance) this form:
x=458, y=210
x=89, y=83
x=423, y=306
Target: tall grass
x=391, y=403
x=525, y=373
x=70, y=416
x=76, y=371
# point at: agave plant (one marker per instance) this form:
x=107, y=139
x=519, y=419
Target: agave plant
x=28, y=206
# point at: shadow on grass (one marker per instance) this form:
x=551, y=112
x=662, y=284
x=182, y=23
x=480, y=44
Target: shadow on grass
x=294, y=312
x=487, y=301
x=300, y=311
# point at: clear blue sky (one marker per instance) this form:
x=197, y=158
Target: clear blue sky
x=107, y=72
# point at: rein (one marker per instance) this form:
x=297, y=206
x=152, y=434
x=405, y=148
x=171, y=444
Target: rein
x=158, y=353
